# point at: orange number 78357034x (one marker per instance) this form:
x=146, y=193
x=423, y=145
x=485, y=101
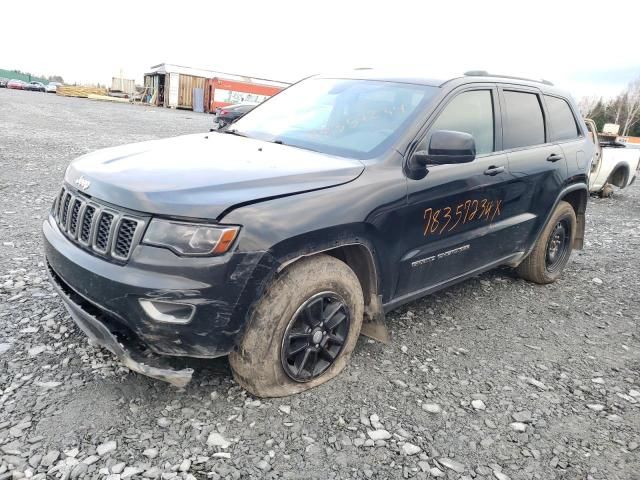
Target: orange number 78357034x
x=447, y=219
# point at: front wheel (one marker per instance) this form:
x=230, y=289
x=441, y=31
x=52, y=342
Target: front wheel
x=303, y=329
x=553, y=248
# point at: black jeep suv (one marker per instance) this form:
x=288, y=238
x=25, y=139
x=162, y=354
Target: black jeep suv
x=341, y=198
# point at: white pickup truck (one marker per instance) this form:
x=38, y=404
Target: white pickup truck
x=614, y=164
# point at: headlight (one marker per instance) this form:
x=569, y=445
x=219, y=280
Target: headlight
x=190, y=238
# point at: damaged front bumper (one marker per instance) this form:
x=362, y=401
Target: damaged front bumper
x=114, y=303
x=101, y=335
x=216, y=291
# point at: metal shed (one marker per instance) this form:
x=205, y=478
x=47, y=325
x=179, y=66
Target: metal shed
x=173, y=86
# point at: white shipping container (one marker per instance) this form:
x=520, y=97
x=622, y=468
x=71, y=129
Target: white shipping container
x=611, y=128
x=174, y=89
x=125, y=85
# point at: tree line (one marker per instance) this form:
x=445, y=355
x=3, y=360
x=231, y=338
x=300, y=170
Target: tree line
x=51, y=78
x=623, y=110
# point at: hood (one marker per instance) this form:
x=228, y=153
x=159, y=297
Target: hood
x=203, y=175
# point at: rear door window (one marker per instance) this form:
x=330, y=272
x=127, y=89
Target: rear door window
x=524, y=122
x=563, y=123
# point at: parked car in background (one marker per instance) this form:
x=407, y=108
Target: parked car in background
x=3, y=82
x=52, y=87
x=16, y=84
x=35, y=86
x=227, y=115
x=614, y=164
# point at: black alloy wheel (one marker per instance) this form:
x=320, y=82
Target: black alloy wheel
x=315, y=336
x=558, y=246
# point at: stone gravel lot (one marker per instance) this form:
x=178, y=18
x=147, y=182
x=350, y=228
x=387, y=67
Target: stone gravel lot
x=495, y=378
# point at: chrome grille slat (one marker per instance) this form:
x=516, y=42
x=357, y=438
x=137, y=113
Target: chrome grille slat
x=103, y=230
x=124, y=237
x=85, y=227
x=74, y=216
x=65, y=211
x=59, y=203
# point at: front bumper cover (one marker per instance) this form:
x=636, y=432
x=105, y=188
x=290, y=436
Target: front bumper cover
x=101, y=335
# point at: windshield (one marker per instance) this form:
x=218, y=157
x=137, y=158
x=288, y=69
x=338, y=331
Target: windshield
x=352, y=118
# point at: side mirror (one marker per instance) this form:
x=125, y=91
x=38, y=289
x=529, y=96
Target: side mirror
x=447, y=147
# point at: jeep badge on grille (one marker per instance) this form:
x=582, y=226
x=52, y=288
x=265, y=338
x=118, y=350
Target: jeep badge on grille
x=82, y=183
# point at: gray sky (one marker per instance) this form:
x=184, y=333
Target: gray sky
x=579, y=45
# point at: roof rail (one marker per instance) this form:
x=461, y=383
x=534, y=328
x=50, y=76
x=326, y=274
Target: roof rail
x=484, y=73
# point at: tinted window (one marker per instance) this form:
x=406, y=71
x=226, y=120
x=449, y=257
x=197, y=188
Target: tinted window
x=469, y=112
x=524, y=123
x=563, y=123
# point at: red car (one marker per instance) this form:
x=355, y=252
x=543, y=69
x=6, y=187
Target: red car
x=16, y=84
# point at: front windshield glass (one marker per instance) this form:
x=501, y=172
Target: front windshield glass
x=352, y=118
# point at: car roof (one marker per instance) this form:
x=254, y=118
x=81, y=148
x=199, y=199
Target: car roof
x=473, y=76
x=385, y=76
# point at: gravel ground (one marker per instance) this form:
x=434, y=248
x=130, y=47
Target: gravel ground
x=495, y=378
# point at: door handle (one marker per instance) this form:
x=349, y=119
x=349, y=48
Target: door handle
x=554, y=157
x=493, y=170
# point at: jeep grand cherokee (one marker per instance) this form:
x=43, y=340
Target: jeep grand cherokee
x=339, y=199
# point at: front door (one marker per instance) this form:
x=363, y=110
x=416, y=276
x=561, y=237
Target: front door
x=451, y=212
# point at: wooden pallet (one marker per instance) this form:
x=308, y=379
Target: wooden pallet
x=84, y=92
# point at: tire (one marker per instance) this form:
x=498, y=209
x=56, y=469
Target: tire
x=541, y=265
x=607, y=190
x=319, y=282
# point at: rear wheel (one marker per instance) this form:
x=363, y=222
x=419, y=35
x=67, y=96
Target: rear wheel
x=553, y=248
x=607, y=190
x=302, y=331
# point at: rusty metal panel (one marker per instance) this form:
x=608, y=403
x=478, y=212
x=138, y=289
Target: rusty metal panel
x=220, y=92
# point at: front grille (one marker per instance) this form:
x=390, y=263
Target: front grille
x=85, y=229
x=65, y=209
x=100, y=229
x=104, y=231
x=75, y=210
x=124, y=238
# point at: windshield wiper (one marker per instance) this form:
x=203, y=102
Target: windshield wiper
x=280, y=142
x=234, y=131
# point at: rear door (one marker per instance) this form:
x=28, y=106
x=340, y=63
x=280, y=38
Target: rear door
x=565, y=132
x=450, y=212
x=538, y=167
